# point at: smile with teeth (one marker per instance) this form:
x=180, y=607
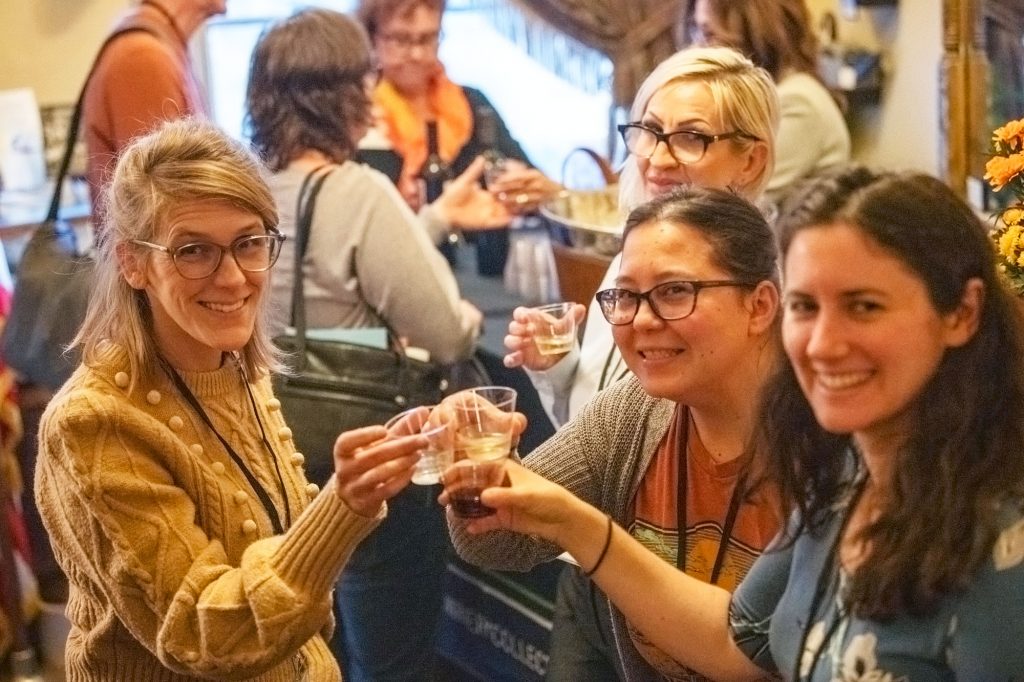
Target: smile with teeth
x=658, y=353
x=840, y=380
x=224, y=307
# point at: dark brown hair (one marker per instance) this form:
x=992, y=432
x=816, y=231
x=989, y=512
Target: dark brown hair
x=775, y=34
x=307, y=87
x=374, y=13
x=962, y=460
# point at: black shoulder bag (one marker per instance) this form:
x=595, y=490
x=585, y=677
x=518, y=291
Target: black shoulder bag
x=53, y=281
x=335, y=386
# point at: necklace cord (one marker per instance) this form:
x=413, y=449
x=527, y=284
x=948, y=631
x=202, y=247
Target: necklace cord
x=257, y=487
x=732, y=512
x=826, y=576
x=170, y=19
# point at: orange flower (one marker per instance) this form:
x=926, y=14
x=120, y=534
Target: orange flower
x=1001, y=170
x=1011, y=134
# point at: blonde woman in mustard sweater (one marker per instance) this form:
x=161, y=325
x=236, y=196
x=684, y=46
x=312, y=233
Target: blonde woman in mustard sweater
x=168, y=480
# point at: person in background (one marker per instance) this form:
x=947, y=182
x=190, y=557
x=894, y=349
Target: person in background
x=669, y=452
x=369, y=263
x=414, y=90
x=777, y=35
x=143, y=78
x=704, y=117
x=168, y=479
x=895, y=432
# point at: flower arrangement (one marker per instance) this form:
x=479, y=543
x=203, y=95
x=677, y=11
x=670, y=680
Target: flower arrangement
x=1006, y=170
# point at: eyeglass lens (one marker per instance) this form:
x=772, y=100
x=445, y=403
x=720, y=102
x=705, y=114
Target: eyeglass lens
x=684, y=146
x=669, y=301
x=252, y=254
x=408, y=41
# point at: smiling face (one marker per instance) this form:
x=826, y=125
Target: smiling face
x=406, y=45
x=691, y=359
x=862, y=333
x=196, y=321
x=689, y=105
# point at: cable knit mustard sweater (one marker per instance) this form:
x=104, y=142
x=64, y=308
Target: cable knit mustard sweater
x=174, y=567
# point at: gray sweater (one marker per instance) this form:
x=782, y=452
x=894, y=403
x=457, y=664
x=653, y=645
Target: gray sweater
x=369, y=257
x=600, y=456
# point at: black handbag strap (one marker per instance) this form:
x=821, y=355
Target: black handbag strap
x=304, y=210
x=76, y=118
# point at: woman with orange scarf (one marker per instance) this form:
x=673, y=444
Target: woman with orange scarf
x=415, y=90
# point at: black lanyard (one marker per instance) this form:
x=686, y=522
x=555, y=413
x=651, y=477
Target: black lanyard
x=828, y=575
x=261, y=493
x=730, y=515
x=607, y=379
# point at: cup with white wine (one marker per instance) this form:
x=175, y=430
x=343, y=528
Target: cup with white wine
x=554, y=328
x=483, y=419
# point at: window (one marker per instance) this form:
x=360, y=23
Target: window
x=549, y=115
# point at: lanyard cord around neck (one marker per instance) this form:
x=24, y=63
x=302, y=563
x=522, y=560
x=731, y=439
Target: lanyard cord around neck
x=261, y=493
x=829, y=571
x=170, y=19
x=730, y=515
x=608, y=373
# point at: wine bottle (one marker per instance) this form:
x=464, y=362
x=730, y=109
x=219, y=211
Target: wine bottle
x=435, y=171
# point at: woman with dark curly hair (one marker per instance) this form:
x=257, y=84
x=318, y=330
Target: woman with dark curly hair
x=896, y=437
x=369, y=262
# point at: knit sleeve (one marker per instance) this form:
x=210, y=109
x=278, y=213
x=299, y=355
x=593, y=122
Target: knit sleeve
x=111, y=486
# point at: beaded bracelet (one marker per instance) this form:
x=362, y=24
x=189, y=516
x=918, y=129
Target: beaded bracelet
x=604, y=550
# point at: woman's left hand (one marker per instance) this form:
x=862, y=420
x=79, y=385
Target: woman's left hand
x=466, y=205
x=371, y=467
x=522, y=189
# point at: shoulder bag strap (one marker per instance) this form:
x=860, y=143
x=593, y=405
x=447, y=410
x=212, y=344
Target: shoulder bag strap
x=76, y=118
x=305, y=205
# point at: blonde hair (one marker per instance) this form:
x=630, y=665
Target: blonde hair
x=745, y=99
x=181, y=162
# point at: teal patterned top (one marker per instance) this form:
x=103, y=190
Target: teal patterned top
x=975, y=636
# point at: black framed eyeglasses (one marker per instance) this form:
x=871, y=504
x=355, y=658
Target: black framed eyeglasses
x=685, y=146
x=669, y=301
x=196, y=260
x=407, y=41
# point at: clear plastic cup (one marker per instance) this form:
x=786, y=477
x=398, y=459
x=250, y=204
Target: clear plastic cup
x=554, y=328
x=438, y=454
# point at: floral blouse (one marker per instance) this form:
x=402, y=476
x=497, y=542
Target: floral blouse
x=975, y=636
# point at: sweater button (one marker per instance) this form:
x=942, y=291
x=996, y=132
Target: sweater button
x=218, y=468
x=196, y=448
x=121, y=379
x=153, y=397
x=175, y=423
x=298, y=459
x=249, y=527
x=274, y=404
x=284, y=433
x=241, y=497
x=312, y=489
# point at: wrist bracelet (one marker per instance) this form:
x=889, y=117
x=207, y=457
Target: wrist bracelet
x=604, y=550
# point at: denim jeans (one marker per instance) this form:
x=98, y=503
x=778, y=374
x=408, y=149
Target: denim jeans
x=389, y=595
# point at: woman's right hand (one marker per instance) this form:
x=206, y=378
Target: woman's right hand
x=523, y=349
x=370, y=467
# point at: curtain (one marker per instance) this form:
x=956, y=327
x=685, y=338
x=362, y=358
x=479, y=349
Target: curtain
x=634, y=34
